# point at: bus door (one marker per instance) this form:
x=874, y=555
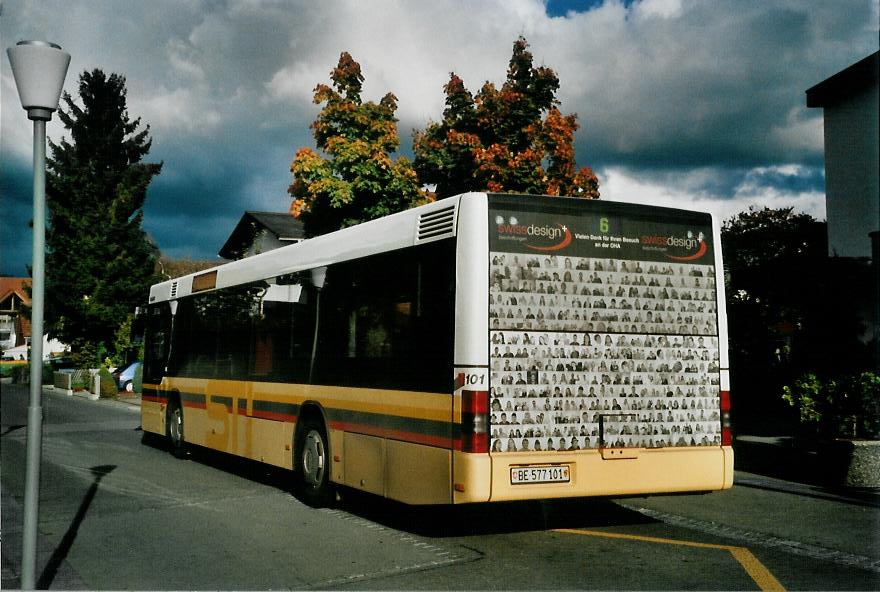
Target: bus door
x=157, y=349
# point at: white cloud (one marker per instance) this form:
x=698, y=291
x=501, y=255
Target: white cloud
x=657, y=8
x=185, y=62
x=801, y=131
x=178, y=111
x=684, y=190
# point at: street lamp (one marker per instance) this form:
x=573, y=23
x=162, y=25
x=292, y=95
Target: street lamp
x=39, y=69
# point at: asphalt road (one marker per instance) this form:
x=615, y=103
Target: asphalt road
x=118, y=514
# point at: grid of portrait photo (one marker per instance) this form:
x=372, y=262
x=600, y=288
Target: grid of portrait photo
x=589, y=352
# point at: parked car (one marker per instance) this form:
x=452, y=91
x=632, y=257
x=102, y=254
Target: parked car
x=125, y=377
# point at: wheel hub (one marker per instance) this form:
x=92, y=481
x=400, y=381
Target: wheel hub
x=313, y=458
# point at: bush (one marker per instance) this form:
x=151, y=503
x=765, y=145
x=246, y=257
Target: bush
x=84, y=354
x=108, y=385
x=48, y=374
x=848, y=406
x=21, y=374
x=138, y=381
x=7, y=368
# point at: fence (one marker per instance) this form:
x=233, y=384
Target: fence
x=78, y=380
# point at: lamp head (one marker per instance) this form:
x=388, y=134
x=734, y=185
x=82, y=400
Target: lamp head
x=39, y=68
x=319, y=277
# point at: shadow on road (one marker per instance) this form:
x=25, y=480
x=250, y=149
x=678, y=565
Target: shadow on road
x=63, y=548
x=242, y=467
x=489, y=519
x=11, y=429
x=435, y=521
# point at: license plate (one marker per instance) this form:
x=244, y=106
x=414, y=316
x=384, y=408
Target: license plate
x=539, y=474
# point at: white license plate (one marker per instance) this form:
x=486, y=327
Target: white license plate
x=539, y=474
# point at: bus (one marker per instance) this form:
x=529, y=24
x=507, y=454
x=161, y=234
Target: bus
x=481, y=348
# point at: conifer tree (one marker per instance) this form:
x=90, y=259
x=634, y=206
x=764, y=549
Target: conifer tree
x=358, y=180
x=513, y=139
x=99, y=262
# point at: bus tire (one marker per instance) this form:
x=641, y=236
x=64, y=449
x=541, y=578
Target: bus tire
x=174, y=428
x=311, y=464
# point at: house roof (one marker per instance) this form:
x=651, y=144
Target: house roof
x=14, y=285
x=284, y=226
x=848, y=81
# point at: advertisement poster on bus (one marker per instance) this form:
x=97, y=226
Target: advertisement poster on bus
x=603, y=331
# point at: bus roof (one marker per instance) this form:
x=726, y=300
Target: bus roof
x=419, y=225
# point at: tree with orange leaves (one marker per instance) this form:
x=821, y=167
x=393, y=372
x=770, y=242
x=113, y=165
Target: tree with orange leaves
x=510, y=140
x=358, y=180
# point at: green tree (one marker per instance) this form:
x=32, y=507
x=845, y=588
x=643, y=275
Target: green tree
x=757, y=237
x=787, y=306
x=358, y=180
x=510, y=140
x=99, y=262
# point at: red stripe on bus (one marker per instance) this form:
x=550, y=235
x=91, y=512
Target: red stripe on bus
x=273, y=416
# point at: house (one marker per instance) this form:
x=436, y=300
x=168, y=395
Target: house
x=258, y=232
x=850, y=101
x=15, y=328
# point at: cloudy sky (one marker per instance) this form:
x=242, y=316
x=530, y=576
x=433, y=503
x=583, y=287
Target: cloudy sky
x=691, y=103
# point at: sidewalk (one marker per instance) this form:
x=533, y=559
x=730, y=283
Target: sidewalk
x=823, y=464
x=127, y=398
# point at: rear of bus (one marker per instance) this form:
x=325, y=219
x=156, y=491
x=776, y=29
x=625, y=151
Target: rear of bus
x=591, y=350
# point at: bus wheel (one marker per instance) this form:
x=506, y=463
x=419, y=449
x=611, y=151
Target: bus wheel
x=174, y=428
x=312, y=464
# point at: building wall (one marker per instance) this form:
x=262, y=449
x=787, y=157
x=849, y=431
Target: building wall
x=851, y=173
x=264, y=241
x=7, y=332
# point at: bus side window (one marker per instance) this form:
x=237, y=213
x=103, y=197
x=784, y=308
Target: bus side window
x=282, y=329
x=212, y=334
x=282, y=342
x=387, y=323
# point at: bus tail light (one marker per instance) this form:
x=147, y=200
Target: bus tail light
x=474, y=421
x=726, y=433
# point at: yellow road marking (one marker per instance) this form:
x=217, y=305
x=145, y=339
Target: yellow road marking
x=756, y=570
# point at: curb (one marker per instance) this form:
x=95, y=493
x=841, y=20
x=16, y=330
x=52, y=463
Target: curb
x=851, y=464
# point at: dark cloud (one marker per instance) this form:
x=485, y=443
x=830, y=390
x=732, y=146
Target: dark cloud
x=709, y=86
x=16, y=189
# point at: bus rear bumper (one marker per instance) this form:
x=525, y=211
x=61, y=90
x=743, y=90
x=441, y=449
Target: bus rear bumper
x=587, y=473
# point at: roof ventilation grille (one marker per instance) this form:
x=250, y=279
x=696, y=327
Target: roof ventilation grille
x=437, y=224
x=173, y=290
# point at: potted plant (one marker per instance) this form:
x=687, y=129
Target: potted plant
x=840, y=416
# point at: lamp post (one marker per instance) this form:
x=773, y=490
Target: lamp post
x=39, y=69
